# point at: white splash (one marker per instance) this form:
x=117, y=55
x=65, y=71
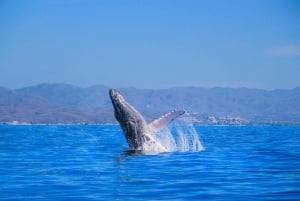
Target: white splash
x=180, y=136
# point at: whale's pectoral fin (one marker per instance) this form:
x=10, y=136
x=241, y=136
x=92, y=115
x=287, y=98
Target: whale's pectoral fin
x=164, y=120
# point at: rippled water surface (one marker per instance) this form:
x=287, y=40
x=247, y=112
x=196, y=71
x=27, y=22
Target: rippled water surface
x=93, y=163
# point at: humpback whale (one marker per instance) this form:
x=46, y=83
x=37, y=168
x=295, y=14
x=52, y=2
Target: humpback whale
x=139, y=134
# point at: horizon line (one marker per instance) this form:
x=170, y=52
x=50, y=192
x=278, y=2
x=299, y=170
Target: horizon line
x=149, y=88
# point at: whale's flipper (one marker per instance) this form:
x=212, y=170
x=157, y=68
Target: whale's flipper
x=164, y=120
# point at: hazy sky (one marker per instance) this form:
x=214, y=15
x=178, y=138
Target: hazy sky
x=150, y=43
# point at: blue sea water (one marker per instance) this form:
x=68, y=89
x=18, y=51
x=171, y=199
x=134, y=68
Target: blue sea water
x=92, y=163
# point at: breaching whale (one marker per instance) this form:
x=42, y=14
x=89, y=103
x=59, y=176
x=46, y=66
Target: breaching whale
x=139, y=134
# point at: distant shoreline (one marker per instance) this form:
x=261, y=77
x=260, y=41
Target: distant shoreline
x=111, y=124
x=69, y=104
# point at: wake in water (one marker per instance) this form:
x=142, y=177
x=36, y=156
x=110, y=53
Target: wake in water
x=181, y=136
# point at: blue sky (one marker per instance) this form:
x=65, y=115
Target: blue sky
x=150, y=43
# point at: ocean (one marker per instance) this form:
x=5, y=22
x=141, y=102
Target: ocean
x=92, y=162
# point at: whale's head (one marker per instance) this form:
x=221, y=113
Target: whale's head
x=116, y=98
x=118, y=103
x=124, y=112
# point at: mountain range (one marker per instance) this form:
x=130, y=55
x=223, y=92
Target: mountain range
x=68, y=104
